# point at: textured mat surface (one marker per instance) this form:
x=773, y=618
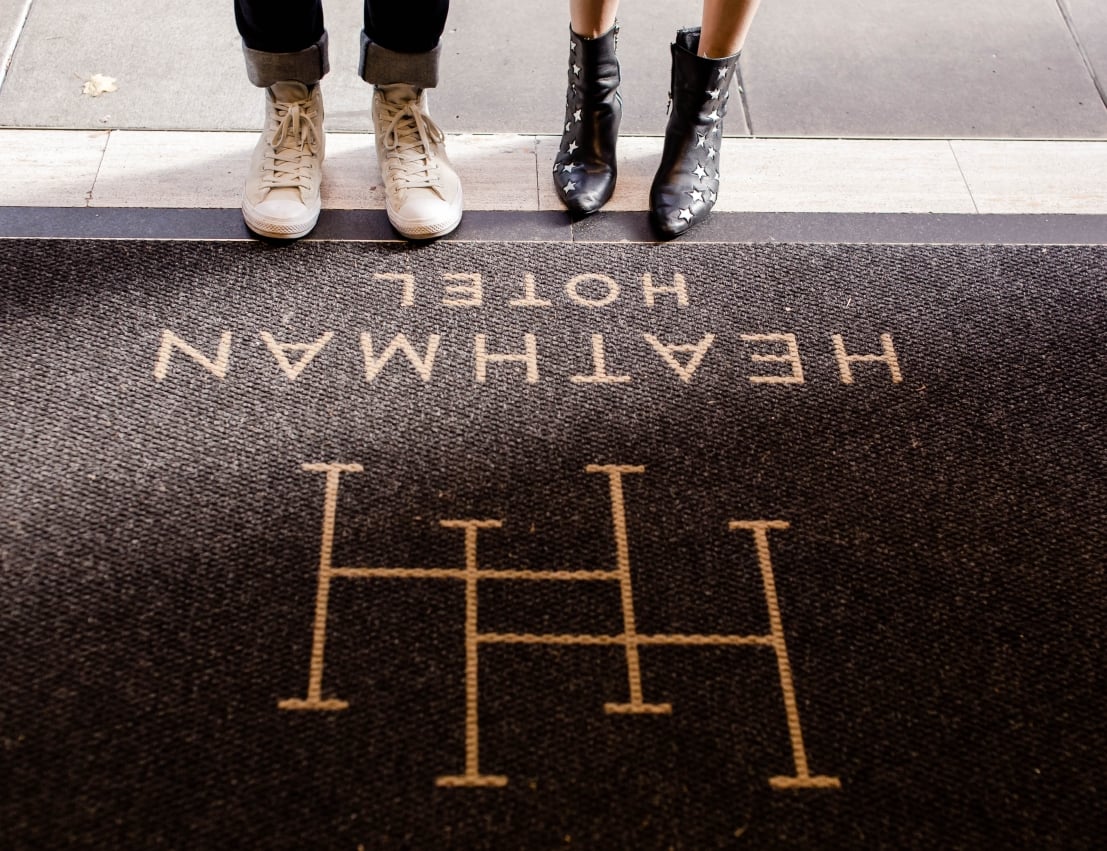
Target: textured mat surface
x=516, y=546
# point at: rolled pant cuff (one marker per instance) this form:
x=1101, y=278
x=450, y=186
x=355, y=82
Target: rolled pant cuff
x=382, y=66
x=306, y=66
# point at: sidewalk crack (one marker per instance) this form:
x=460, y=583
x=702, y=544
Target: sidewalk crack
x=96, y=177
x=964, y=179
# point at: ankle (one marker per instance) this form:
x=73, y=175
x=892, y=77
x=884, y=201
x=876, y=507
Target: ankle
x=593, y=33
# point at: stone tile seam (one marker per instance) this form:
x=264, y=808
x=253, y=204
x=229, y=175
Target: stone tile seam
x=91, y=194
x=537, y=171
x=457, y=134
x=737, y=228
x=13, y=42
x=535, y=139
x=1070, y=24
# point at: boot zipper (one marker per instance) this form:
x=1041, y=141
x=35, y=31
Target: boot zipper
x=672, y=81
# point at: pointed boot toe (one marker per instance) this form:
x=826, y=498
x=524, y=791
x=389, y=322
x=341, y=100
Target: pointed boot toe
x=670, y=223
x=585, y=192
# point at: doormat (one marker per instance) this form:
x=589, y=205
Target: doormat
x=545, y=546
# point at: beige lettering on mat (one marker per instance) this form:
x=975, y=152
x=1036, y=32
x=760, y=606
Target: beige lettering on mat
x=791, y=357
x=400, y=343
x=845, y=361
x=669, y=352
x=170, y=342
x=307, y=352
x=599, y=374
x=679, y=288
x=483, y=357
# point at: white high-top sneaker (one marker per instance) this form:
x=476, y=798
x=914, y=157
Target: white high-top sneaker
x=422, y=190
x=281, y=199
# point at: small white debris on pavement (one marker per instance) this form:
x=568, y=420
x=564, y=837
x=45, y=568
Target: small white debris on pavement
x=99, y=84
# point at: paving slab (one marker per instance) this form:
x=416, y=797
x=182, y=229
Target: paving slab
x=184, y=71
x=176, y=67
x=51, y=168
x=898, y=68
x=179, y=70
x=1035, y=177
x=188, y=169
x=497, y=172
x=843, y=176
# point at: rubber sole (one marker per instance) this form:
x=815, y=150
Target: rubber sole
x=273, y=229
x=412, y=230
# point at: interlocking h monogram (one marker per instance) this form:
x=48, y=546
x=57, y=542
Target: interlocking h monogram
x=472, y=574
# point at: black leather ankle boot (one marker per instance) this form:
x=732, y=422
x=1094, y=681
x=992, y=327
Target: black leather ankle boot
x=584, y=171
x=687, y=181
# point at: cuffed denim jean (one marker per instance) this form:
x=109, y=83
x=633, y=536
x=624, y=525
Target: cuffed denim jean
x=288, y=41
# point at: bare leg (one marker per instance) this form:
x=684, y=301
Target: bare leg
x=724, y=27
x=592, y=18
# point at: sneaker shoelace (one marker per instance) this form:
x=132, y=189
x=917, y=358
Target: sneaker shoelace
x=409, y=157
x=294, y=141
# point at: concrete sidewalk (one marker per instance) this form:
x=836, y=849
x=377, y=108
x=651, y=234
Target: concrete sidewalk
x=847, y=105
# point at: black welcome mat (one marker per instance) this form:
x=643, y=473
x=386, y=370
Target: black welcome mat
x=543, y=546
